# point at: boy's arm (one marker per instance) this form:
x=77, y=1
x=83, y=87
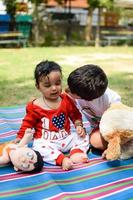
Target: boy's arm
x=76, y=117
x=78, y=123
x=79, y=128
x=28, y=136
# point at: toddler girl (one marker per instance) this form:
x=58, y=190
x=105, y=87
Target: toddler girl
x=50, y=116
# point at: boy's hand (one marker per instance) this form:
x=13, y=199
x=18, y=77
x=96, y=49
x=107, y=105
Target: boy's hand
x=81, y=131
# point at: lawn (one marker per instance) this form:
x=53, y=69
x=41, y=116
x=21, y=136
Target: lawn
x=17, y=67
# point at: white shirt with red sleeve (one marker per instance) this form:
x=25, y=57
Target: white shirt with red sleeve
x=93, y=110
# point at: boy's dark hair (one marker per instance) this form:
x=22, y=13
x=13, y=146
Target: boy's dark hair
x=39, y=164
x=88, y=82
x=44, y=68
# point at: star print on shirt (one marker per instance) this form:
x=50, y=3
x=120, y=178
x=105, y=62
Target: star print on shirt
x=59, y=121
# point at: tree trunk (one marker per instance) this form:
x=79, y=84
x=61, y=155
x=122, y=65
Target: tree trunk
x=97, y=39
x=35, y=25
x=39, y=24
x=88, y=29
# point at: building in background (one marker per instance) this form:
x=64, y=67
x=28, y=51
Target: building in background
x=2, y=8
x=76, y=9
x=79, y=11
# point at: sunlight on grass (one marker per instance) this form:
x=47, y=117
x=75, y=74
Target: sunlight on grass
x=17, y=69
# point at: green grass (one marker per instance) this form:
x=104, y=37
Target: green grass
x=17, y=67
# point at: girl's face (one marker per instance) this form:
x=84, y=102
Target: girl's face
x=51, y=85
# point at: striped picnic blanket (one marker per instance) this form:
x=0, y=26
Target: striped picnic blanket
x=98, y=179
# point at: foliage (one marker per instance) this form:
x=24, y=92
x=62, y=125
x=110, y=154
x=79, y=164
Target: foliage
x=10, y=7
x=93, y=4
x=48, y=39
x=37, y=19
x=37, y=2
x=101, y=3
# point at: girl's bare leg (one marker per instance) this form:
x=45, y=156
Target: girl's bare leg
x=79, y=158
x=67, y=164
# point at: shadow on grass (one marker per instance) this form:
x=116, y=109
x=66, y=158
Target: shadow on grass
x=20, y=91
x=123, y=84
x=17, y=91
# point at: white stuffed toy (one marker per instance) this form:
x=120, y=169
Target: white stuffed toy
x=116, y=127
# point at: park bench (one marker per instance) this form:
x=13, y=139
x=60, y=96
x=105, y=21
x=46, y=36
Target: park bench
x=13, y=37
x=22, y=29
x=116, y=35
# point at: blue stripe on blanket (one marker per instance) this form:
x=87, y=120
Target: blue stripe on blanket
x=98, y=179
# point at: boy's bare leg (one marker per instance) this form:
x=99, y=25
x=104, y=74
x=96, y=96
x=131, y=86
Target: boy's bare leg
x=97, y=141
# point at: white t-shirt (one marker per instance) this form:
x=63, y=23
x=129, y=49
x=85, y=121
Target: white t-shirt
x=93, y=110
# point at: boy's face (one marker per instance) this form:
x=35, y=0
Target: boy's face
x=23, y=158
x=74, y=96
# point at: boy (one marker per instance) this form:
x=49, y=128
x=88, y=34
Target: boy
x=88, y=86
x=22, y=157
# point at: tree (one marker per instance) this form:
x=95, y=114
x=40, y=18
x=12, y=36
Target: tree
x=67, y=3
x=36, y=18
x=93, y=4
x=11, y=9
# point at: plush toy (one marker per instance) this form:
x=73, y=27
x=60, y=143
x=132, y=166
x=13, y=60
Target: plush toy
x=20, y=155
x=116, y=127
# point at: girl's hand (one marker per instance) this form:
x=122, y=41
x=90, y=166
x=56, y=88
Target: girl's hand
x=16, y=141
x=81, y=131
x=29, y=133
x=28, y=136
